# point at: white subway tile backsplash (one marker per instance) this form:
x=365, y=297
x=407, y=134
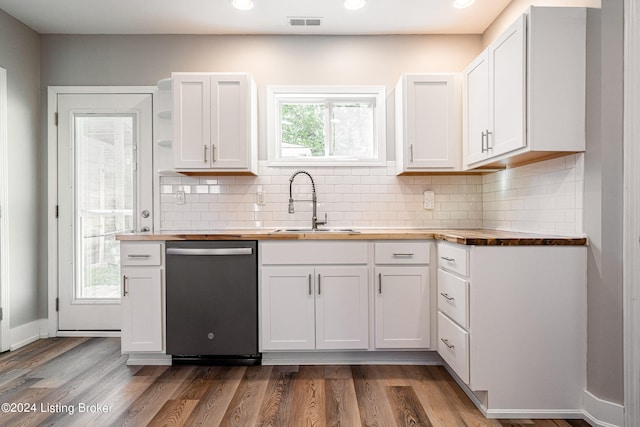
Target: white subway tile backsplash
x=543, y=197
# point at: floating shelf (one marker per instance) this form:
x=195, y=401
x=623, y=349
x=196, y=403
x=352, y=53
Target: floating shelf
x=164, y=84
x=164, y=143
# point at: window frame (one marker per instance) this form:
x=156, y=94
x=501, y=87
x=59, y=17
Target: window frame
x=276, y=94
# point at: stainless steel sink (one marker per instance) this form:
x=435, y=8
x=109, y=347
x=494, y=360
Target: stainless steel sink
x=319, y=230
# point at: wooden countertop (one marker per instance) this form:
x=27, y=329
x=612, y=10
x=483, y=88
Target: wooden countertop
x=479, y=237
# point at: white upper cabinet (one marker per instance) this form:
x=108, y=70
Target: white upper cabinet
x=214, y=123
x=524, y=96
x=428, y=123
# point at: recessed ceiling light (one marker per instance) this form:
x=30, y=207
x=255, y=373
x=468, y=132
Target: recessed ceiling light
x=461, y=4
x=354, y=4
x=242, y=4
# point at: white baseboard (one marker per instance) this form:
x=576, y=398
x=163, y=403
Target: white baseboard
x=159, y=359
x=28, y=333
x=602, y=413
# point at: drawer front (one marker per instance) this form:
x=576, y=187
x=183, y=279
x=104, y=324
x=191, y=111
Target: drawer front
x=314, y=252
x=453, y=297
x=453, y=258
x=136, y=253
x=453, y=346
x=402, y=252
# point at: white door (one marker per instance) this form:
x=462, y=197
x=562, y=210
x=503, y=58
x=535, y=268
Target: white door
x=192, y=120
x=104, y=189
x=507, y=59
x=431, y=122
x=402, y=307
x=342, y=308
x=287, y=308
x=476, y=108
x=230, y=130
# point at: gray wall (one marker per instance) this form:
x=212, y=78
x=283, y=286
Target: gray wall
x=603, y=202
x=20, y=56
x=338, y=60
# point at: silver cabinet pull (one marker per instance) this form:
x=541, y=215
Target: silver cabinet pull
x=448, y=259
x=484, y=134
x=380, y=283
x=447, y=297
x=205, y=154
x=411, y=152
x=213, y=153
x=446, y=342
x=310, y=291
x=138, y=256
x=401, y=254
x=318, y=284
x=489, y=133
x=125, y=292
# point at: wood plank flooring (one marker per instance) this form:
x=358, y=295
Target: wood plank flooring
x=86, y=382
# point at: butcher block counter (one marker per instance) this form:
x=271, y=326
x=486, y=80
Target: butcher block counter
x=478, y=237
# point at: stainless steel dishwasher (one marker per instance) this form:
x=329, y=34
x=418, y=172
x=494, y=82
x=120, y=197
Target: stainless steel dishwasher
x=212, y=302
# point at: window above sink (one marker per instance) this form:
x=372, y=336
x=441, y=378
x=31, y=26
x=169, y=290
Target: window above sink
x=326, y=125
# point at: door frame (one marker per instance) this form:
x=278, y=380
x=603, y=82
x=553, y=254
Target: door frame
x=631, y=222
x=52, y=191
x=5, y=323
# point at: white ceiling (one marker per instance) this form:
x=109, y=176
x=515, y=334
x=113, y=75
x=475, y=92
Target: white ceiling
x=267, y=17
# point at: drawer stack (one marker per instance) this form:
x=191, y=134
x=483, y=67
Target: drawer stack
x=453, y=308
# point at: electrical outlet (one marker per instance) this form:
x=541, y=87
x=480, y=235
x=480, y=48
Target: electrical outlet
x=429, y=200
x=180, y=197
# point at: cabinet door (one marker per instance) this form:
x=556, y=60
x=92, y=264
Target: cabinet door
x=507, y=85
x=191, y=120
x=476, y=108
x=141, y=309
x=432, y=123
x=230, y=121
x=402, y=315
x=287, y=308
x=342, y=308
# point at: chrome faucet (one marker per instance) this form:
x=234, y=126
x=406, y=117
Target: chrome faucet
x=314, y=216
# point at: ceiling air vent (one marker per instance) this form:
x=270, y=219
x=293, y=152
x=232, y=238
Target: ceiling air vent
x=305, y=22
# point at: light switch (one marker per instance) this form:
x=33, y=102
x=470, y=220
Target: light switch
x=429, y=200
x=180, y=197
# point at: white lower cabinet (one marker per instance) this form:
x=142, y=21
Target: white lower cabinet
x=511, y=324
x=322, y=306
x=142, y=296
x=402, y=307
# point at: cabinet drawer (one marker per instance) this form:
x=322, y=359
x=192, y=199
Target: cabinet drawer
x=136, y=253
x=314, y=252
x=453, y=258
x=453, y=346
x=453, y=297
x=402, y=252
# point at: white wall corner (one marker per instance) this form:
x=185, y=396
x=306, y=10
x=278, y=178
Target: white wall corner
x=28, y=333
x=602, y=413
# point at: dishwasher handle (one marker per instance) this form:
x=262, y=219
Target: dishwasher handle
x=209, y=251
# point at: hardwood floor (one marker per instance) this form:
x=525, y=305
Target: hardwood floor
x=86, y=382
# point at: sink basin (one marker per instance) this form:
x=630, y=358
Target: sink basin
x=320, y=230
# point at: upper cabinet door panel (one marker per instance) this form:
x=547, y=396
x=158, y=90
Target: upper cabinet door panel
x=191, y=120
x=428, y=123
x=230, y=126
x=476, y=108
x=507, y=84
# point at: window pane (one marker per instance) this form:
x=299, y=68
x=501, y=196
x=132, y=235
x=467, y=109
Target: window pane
x=353, y=130
x=302, y=129
x=105, y=201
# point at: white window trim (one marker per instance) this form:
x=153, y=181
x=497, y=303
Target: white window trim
x=5, y=331
x=276, y=92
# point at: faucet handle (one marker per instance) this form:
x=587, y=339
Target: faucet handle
x=323, y=222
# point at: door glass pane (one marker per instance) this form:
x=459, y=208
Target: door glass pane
x=105, y=202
